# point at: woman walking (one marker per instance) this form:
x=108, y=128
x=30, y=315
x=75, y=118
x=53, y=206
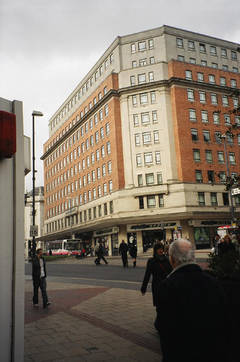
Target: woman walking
x=159, y=267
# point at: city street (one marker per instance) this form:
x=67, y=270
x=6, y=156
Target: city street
x=97, y=313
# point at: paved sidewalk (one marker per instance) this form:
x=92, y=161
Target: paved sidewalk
x=86, y=323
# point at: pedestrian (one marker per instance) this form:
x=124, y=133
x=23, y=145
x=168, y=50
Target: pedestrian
x=100, y=254
x=225, y=245
x=39, y=276
x=123, y=250
x=158, y=267
x=133, y=253
x=191, y=311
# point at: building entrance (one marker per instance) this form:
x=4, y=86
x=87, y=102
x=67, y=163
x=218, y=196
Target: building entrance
x=150, y=237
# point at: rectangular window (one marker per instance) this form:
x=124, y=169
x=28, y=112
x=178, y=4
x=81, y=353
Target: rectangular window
x=200, y=77
x=190, y=95
x=145, y=119
x=179, y=42
x=214, y=98
x=191, y=45
x=154, y=117
x=204, y=115
x=227, y=119
x=198, y=176
x=213, y=196
x=143, y=98
x=134, y=100
x=139, y=159
x=208, y=156
x=222, y=176
x=137, y=139
x=156, y=136
x=220, y=156
x=180, y=58
x=232, y=158
x=211, y=176
x=225, y=101
x=224, y=53
x=107, y=129
x=161, y=200
x=202, y=97
x=134, y=64
x=233, y=83
x=142, y=62
x=192, y=60
x=153, y=97
x=194, y=134
x=141, y=78
x=192, y=115
x=213, y=50
x=188, y=74
x=148, y=158
x=225, y=199
x=151, y=76
x=132, y=80
x=159, y=178
x=218, y=137
x=204, y=63
x=135, y=120
x=146, y=138
x=140, y=180
x=104, y=189
x=141, y=202
x=149, y=178
x=216, y=118
x=196, y=155
x=110, y=167
x=211, y=79
x=108, y=144
x=157, y=157
x=151, y=60
x=151, y=201
x=223, y=81
x=202, y=48
x=111, y=207
x=201, y=199
x=233, y=55
x=235, y=69
x=214, y=65
x=206, y=136
x=133, y=48
x=142, y=46
x=150, y=44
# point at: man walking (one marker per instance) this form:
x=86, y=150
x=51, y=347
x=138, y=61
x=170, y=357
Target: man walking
x=39, y=279
x=123, y=249
x=191, y=311
x=100, y=254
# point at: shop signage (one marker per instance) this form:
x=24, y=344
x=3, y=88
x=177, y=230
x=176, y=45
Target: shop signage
x=235, y=191
x=103, y=232
x=209, y=223
x=139, y=227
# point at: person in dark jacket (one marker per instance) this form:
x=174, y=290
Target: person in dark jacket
x=123, y=250
x=133, y=253
x=226, y=245
x=39, y=276
x=100, y=252
x=191, y=311
x=158, y=267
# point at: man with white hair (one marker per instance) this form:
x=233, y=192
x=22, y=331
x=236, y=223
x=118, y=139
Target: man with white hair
x=191, y=310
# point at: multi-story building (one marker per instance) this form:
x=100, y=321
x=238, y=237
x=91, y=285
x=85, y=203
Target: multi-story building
x=39, y=218
x=134, y=151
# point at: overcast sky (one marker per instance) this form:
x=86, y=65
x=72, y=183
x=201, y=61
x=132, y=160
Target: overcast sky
x=47, y=46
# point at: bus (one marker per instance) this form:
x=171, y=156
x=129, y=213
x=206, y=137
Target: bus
x=64, y=247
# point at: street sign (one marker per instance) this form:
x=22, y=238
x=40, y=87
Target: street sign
x=33, y=230
x=235, y=191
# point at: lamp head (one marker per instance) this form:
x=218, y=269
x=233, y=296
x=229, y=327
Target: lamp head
x=37, y=114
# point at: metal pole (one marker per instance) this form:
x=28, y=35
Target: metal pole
x=33, y=187
x=231, y=207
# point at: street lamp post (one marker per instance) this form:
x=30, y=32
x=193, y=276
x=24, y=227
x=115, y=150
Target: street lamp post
x=223, y=137
x=34, y=114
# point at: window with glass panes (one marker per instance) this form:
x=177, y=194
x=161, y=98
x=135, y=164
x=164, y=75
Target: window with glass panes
x=200, y=77
x=194, y=134
x=198, y=176
x=216, y=118
x=151, y=201
x=206, y=136
x=161, y=200
x=145, y=119
x=201, y=198
x=213, y=197
x=190, y=94
x=220, y=156
x=135, y=120
x=204, y=116
x=140, y=180
x=196, y=155
x=202, y=97
x=225, y=101
x=192, y=115
x=208, y=156
x=213, y=98
x=149, y=178
x=148, y=158
x=143, y=98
